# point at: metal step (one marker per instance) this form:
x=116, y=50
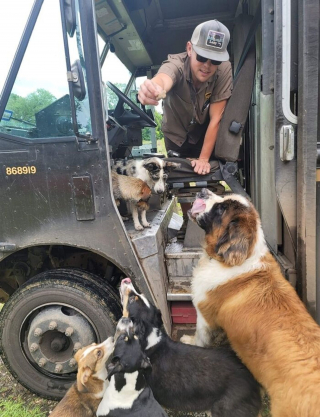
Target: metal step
x=180, y=262
x=179, y=291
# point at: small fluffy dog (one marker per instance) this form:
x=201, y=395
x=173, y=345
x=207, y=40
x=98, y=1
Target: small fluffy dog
x=189, y=378
x=134, y=191
x=128, y=393
x=83, y=397
x=238, y=286
x=153, y=171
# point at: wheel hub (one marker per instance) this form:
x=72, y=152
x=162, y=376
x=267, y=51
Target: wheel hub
x=55, y=334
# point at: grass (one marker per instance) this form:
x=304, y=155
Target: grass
x=161, y=147
x=15, y=408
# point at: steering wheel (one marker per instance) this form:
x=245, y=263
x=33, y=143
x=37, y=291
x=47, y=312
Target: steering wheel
x=124, y=99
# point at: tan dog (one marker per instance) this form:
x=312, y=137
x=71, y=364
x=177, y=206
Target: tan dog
x=85, y=395
x=136, y=192
x=238, y=286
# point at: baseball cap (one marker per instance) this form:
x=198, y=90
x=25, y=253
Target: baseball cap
x=210, y=39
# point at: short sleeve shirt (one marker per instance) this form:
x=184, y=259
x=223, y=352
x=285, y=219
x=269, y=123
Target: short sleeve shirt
x=186, y=110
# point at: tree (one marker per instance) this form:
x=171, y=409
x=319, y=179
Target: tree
x=112, y=97
x=25, y=108
x=158, y=120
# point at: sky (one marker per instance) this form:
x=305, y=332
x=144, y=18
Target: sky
x=44, y=63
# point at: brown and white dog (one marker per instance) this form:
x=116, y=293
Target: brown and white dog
x=154, y=172
x=238, y=286
x=85, y=395
x=134, y=191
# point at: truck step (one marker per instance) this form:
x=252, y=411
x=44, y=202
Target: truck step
x=179, y=291
x=179, y=330
x=180, y=262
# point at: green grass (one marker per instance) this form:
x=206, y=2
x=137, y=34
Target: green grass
x=15, y=408
x=161, y=147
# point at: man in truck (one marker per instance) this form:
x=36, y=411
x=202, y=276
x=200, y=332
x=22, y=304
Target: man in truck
x=195, y=85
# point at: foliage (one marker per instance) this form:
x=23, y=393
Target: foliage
x=16, y=408
x=158, y=120
x=112, y=97
x=161, y=147
x=146, y=132
x=146, y=135
x=25, y=108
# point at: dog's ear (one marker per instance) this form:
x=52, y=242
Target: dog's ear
x=151, y=166
x=145, y=192
x=158, y=317
x=139, y=328
x=170, y=166
x=234, y=245
x=82, y=378
x=114, y=367
x=145, y=363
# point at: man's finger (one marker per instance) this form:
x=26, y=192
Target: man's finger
x=146, y=100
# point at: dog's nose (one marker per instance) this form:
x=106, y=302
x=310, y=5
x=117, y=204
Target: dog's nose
x=126, y=281
x=204, y=193
x=125, y=320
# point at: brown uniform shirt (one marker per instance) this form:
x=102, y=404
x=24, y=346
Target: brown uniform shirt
x=185, y=110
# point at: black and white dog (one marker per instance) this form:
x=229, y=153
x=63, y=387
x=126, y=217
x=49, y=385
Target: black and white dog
x=153, y=171
x=128, y=393
x=185, y=377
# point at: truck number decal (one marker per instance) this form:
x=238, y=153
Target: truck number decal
x=21, y=170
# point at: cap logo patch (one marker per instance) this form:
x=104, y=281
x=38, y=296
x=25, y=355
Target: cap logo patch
x=215, y=39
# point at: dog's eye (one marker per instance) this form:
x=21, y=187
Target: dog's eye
x=99, y=353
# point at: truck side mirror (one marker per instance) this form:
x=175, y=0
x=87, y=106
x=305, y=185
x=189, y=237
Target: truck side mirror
x=78, y=85
x=69, y=10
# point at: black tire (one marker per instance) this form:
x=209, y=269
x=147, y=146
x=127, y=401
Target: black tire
x=84, y=293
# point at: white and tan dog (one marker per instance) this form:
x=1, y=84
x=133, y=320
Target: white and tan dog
x=238, y=286
x=84, y=396
x=135, y=192
x=154, y=172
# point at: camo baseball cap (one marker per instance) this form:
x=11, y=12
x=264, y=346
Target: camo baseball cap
x=210, y=39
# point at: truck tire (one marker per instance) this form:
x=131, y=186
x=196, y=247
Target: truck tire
x=47, y=320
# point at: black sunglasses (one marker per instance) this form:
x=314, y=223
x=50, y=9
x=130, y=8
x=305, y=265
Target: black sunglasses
x=200, y=58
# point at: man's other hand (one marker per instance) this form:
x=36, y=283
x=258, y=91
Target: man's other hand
x=201, y=166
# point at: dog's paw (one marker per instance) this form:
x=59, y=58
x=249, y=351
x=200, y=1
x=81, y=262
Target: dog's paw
x=146, y=224
x=186, y=339
x=138, y=227
x=125, y=219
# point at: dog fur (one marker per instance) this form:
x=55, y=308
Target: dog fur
x=84, y=396
x=190, y=378
x=238, y=286
x=154, y=172
x=128, y=393
x=134, y=191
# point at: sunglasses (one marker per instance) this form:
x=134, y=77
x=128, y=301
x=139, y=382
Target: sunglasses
x=200, y=58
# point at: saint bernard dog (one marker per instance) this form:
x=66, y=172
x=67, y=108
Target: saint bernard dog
x=238, y=287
